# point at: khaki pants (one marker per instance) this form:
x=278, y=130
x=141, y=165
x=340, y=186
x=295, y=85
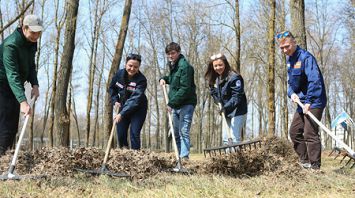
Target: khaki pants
x=305, y=137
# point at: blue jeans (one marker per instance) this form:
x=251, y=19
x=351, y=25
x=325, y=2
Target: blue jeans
x=136, y=120
x=235, y=124
x=182, y=119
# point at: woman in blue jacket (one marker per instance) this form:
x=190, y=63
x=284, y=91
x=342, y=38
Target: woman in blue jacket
x=227, y=88
x=127, y=93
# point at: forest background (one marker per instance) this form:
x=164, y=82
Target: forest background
x=84, y=44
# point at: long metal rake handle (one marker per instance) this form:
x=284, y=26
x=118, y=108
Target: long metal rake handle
x=340, y=142
x=14, y=158
x=171, y=125
x=229, y=130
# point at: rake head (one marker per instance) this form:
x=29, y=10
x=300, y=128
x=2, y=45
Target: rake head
x=229, y=148
x=179, y=169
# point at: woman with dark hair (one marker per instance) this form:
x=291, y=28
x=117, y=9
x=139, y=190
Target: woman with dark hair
x=227, y=88
x=127, y=93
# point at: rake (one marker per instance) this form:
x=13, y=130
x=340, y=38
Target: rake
x=230, y=146
x=346, y=153
x=104, y=169
x=10, y=174
x=178, y=168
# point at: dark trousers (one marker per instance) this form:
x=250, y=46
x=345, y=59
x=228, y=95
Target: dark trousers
x=9, y=117
x=136, y=120
x=305, y=137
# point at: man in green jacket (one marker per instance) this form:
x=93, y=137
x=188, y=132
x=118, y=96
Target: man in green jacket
x=17, y=65
x=182, y=96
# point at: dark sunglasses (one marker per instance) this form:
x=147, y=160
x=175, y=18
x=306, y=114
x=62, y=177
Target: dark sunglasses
x=284, y=35
x=132, y=56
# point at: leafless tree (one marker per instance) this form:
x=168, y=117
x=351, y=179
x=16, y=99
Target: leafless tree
x=61, y=111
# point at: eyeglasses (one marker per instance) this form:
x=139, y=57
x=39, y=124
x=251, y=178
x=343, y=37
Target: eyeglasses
x=284, y=35
x=132, y=56
x=216, y=56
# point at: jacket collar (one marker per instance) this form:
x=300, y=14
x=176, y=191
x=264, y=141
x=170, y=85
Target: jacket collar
x=221, y=80
x=24, y=39
x=176, y=63
x=296, y=53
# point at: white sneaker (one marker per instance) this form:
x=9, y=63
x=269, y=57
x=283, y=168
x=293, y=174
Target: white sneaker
x=306, y=165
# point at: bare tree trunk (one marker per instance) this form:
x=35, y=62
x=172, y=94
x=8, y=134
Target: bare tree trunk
x=237, y=36
x=93, y=53
x=69, y=99
x=115, y=63
x=58, y=24
x=61, y=112
x=75, y=116
x=283, y=76
x=298, y=22
x=97, y=104
x=1, y=25
x=260, y=108
x=271, y=72
x=34, y=104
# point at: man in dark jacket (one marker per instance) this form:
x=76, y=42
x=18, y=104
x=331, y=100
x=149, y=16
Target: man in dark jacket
x=306, y=85
x=182, y=96
x=17, y=65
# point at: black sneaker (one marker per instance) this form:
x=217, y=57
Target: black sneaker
x=315, y=166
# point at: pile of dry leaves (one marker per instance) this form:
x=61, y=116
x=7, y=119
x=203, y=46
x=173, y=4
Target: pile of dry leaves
x=275, y=155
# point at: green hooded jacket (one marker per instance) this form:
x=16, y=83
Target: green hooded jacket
x=182, y=85
x=17, y=63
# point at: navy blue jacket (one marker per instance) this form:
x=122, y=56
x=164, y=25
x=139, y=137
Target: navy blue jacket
x=305, y=79
x=128, y=92
x=230, y=93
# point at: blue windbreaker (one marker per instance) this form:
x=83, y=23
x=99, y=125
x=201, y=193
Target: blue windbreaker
x=129, y=92
x=230, y=93
x=305, y=79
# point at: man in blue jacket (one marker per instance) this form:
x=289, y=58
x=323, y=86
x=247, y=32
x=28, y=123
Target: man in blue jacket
x=305, y=84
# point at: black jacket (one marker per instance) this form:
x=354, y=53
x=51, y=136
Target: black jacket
x=128, y=92
x=230, y=92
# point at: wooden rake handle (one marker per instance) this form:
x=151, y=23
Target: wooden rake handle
x=171, y=124
x=108, y=148
x=224, y=120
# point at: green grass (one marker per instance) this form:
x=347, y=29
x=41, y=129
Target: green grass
x=333, y=182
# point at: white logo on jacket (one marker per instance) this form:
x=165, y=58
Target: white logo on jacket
x=238, y=83
x=119, y=85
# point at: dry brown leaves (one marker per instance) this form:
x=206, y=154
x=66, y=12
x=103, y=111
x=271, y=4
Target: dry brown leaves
x=275, y=156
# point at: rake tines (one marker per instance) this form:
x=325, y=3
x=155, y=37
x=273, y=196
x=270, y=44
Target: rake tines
x=340, y=152
x=233, y=147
